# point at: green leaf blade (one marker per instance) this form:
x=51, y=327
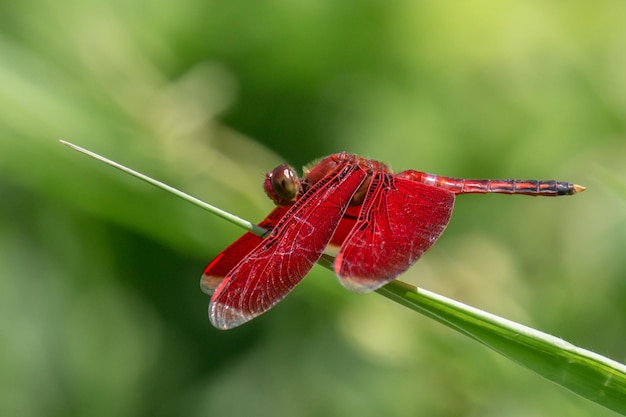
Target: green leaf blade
x=592, y=376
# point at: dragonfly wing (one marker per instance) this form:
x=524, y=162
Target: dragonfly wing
x=223, y=263
x=271, y=270
x=399, y=221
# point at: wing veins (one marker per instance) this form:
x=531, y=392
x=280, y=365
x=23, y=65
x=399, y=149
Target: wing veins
x=278, y=263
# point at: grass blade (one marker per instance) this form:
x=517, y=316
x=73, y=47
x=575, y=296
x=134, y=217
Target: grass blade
x=592, y=376
x=238, y=221
x=586, y=373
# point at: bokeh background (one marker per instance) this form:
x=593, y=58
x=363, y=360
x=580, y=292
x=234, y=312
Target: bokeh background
x=100, y=309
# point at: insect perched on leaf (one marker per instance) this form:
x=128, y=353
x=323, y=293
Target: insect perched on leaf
x=374, y=223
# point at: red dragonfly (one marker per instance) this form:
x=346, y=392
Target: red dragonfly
x=374, y=223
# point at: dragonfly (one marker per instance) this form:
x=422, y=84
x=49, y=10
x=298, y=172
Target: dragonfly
x=374, y=223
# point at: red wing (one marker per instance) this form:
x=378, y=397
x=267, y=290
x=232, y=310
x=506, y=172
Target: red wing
x=215, y=272
x=343, y=229
x=280, y=261
x=399, y=221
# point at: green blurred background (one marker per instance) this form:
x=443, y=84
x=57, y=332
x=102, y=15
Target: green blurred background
x=100, y=309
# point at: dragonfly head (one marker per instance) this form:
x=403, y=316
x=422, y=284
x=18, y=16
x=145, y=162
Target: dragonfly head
x=282, y=185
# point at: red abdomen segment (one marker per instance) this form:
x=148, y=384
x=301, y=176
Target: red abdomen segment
x=550, y=188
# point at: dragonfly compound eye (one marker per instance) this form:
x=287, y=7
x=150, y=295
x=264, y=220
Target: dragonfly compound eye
x=285, y=182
